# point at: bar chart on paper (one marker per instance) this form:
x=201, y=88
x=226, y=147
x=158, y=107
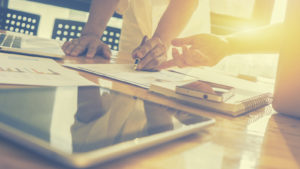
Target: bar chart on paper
x=23, y=70
x=32, y=70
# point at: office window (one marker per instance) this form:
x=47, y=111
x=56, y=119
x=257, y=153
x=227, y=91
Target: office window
x=236, y=8
x=50, y=10
x=230, y=16
x=3, y=3
x=48, y=14
x=246, y=9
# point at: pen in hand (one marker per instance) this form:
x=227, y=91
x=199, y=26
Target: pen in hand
x=136, y=62
x=137, y=59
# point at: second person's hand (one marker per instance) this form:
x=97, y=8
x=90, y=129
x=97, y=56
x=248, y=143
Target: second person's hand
x=198, y=50
x=151, y=53
x=89, y=44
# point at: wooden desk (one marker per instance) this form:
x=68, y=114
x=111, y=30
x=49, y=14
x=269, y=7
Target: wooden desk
x=260, y=139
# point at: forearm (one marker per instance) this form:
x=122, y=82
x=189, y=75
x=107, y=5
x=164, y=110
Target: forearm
x=175, y=19
x=100, y=13
x=262, y=40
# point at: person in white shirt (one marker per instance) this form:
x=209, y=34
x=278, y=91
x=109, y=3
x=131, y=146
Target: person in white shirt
x=159, y=20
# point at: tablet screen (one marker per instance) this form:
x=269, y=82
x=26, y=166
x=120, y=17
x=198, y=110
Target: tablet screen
x=83, y=119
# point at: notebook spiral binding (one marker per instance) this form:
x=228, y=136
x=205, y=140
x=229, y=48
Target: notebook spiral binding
x=257, y=102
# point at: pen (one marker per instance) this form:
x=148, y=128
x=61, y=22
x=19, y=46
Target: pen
x=137, y=60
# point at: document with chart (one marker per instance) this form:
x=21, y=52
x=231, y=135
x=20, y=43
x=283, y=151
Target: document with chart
x=24, y=70
x=126, y=73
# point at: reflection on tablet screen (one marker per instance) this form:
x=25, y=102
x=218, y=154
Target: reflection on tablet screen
x=76, y=120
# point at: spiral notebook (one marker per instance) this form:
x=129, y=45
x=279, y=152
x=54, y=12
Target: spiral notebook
x=242, y=101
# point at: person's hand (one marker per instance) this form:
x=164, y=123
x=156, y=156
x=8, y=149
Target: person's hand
x=198, y=50
x=151, y=53
x=89, y=44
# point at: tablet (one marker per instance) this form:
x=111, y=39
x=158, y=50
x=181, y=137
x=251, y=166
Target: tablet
x=85, y=126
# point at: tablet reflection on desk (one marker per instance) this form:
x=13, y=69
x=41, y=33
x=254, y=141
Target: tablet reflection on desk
x=82, y=119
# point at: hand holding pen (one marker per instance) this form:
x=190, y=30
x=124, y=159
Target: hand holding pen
x=137, y=59
x=150, y=54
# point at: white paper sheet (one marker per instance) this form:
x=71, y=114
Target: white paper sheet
x=126, y=73
x=215, y=76
x=25, y=70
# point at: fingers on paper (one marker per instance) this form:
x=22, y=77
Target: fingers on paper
x=141, y=51
x=153, y=58
x=91, y=46
x=98, y=48
x=92, y=50
x=74, y=47
x=104, y=51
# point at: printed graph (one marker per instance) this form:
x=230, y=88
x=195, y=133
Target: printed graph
x=47, y=71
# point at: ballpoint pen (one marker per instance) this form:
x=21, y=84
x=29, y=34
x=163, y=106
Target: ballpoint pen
x=137, y=60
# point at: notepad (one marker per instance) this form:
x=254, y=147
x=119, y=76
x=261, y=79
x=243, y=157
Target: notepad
x=243, y=100
x=248, y=96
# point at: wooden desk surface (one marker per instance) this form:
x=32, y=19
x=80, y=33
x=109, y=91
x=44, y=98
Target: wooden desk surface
x=261, y=139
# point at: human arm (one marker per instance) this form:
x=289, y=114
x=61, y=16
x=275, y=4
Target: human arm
x=209, y=49
x=153, y=51
x=100, y=13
